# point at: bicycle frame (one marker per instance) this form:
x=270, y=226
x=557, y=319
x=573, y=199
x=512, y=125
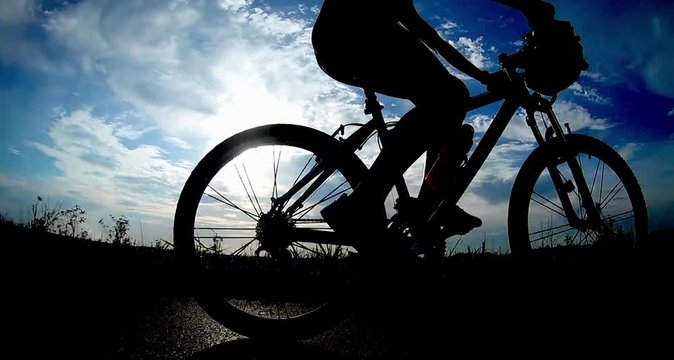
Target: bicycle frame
x=484, y=147
x=518, y=96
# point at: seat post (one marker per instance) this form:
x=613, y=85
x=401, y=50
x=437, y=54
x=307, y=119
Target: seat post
x=372, y=106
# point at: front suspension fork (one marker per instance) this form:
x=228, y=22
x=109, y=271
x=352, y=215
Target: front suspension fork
x=564, y=188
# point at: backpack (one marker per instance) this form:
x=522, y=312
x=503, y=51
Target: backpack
x=552, y=57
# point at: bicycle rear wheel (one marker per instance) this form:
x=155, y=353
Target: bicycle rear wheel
x=536, y=218
x=249, y=234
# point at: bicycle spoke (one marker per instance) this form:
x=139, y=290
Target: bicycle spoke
x=309, y=186
x=302, y=172
x=601, y=184
x=331, y=195
x=252, y=189
x=199, y=243
x=594, y=178
x=228, y=229
x=300, y=245
x=244, y=246
x=587, y=235
x=246, y=190
x=549, y=229
x=630, y=216
x=276, y=163
x=271, y=265
x=223, y=199
x=560, y=213
x=593, y=236
x=550, y=235
x=573, y=239
x=612, y=194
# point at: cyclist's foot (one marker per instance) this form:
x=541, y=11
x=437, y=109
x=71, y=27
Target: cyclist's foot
x=457, y=221
x=453, y=219
x=353, y=218
x=364, y=226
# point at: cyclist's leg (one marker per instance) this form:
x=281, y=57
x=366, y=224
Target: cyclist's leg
x=401, y=66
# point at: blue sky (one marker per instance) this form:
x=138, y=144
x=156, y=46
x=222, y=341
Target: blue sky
x=109, y=104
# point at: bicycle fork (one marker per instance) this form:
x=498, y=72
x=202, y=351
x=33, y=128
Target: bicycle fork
x=564, y=188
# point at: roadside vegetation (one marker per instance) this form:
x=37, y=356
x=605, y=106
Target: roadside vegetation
x=45, y=217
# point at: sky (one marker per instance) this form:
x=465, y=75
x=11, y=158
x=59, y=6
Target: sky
x=109, y=104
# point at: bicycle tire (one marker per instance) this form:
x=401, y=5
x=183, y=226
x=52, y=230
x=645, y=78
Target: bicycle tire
x=630, y=226
x=192, y=202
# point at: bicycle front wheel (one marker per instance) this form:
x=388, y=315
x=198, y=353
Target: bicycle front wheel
x=536, y=215
x=249, y=233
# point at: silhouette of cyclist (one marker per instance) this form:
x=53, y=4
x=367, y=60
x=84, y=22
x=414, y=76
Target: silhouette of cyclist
x=387, y=47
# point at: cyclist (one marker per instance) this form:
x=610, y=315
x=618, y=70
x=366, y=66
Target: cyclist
x=386, y=46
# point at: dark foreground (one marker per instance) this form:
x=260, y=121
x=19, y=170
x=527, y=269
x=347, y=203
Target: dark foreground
x=64, y=298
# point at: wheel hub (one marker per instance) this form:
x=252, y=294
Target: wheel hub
x=273, y=233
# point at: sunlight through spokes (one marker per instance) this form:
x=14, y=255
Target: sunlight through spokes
x=258, y=209
x=228, y=202
x=337, y=191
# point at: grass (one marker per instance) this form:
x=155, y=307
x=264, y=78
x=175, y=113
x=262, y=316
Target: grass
x=66, y=254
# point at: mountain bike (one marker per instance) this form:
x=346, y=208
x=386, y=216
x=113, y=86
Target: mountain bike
x=262, y=261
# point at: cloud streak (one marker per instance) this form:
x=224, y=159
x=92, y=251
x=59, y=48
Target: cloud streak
x=97, y=166
x=184, y=75
x=202, y=70
x=637, y=36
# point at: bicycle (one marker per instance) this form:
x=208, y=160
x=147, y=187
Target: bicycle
x=270, y=267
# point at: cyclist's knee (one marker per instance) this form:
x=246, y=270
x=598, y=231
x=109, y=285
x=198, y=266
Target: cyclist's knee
x=448, y=101
x=450, y=89
x=443, y=113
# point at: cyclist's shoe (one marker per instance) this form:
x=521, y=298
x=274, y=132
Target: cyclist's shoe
x=354, y=219
x=365, y=227
x=332, y=215
x=452, y=219
x=456, y=221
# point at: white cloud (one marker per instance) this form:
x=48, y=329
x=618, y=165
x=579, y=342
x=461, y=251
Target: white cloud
x=17, y=11
x=178, y=142
x=594, y=76
x=273, y=24
x=449, y=25
x=503, y=162
x=95, y=166
x=447, y=29
x=628, y=150
x=203, y=71
x=589, y=93
x=235, y=5
x=578, y=118
x=671, y=113
x=189, y=73
x=639, y=37
x=473, y=50
x=130, y=132
x=19, y=47
x=14, y=151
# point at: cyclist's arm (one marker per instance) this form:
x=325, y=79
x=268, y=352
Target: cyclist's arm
x=418, y=26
